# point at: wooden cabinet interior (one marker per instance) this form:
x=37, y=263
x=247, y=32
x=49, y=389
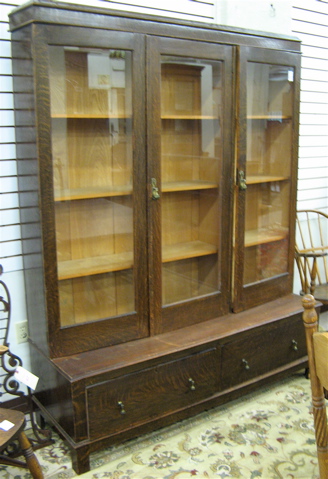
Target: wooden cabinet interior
x=266, y=168
x=157, y=166
x=92, y=149
x=191, y=160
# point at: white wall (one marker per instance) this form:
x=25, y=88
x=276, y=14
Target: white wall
x=310, y=24
x=307, y=19
x=262, y=15
x=10, y=245
x=196, y=10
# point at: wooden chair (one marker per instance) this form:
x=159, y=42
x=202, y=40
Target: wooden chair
x=13, y=442
x=317, y=346
x=311, y=254
x=16, y=432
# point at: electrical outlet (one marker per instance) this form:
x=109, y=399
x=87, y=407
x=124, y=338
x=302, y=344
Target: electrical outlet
x=21, y=332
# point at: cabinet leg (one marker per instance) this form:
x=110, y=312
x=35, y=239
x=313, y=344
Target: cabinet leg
x=81, y=460
x=40, y=421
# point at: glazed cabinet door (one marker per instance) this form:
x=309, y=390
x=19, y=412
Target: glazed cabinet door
x=93, y=102
x=266, y=175
x=189, y=160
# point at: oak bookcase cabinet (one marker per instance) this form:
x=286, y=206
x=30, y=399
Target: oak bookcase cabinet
x=157, y=167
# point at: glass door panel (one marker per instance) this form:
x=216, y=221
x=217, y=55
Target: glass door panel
x=270, y=96
x=91, y=115
x=191, y=163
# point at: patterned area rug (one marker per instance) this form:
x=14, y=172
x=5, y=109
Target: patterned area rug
x=266, y=435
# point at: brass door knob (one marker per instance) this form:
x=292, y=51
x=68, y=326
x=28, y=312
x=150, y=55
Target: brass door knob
x=154, y=189
x=242, y=180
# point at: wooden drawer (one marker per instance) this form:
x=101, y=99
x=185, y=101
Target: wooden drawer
x=262, y=351
x=150, y=393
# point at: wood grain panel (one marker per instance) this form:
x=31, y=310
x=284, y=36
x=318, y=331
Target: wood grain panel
x=189, y=278
x=269, y=148
x=264, y=350
x=267, y=210
x=92, y=228
x=151, y=392
x=87, y=155
x=266, y=260
x=96, y=297
x=181, y=89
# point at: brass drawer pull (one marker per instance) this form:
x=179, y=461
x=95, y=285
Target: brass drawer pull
x=245, y=363
x=192, y=384
x=121, y=406
x=294, y=345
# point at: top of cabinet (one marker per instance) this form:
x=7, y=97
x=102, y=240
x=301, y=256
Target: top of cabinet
x=58, y=13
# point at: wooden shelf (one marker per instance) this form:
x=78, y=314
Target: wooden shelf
x=255, y=237
x=257, y=179
x=188, y=117
x=96, y=265
x=91, y=116
x=119, y=262
x=89, y=193
x=191, y=249
x=171, y=186
x=269, y=117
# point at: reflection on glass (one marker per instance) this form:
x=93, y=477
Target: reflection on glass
x=191, y=160
x=91, y=111
x=268, y=165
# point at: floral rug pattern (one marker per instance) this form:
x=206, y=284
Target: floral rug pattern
x=267, y=435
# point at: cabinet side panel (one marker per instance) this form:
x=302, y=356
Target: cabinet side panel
x=28, y=184
x=53, y=393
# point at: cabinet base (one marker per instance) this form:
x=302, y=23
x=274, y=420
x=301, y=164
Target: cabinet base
x=80, y=452
x=111, y=395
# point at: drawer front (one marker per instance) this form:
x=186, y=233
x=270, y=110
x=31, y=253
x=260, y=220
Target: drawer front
x=150, y=393
x=271, y=347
